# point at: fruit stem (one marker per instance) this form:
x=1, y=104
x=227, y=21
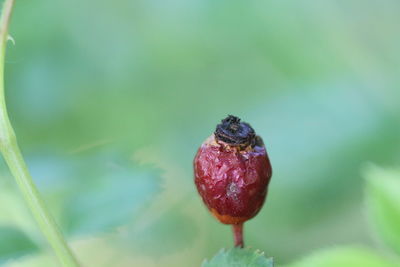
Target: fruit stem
x=238, y=234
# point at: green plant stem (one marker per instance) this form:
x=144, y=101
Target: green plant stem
x=15, y=161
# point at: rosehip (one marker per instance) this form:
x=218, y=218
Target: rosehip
x=232, y=172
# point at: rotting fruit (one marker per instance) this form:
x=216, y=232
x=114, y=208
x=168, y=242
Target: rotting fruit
x=232, y=172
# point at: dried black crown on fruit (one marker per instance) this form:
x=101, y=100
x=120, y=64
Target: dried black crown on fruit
x=234, y=132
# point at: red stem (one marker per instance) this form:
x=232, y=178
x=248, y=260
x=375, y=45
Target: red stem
x=238, y=234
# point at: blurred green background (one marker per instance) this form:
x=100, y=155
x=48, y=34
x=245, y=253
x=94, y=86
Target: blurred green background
x=111, y=99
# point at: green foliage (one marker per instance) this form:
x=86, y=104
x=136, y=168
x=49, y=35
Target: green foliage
x=113, y=192
x=344, y=257
x=383, y=203
x=237, y=257
x=14, y=243
x=146, y=75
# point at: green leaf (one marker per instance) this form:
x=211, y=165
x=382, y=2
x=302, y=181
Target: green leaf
x=14, y=244
x=344, y=257
x=383, y=203
x=111, y=195
x=237, y=257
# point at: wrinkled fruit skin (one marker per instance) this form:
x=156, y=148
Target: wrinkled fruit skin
x=232, y=182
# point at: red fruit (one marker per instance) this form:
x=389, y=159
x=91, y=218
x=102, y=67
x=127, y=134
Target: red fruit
x=232, y=172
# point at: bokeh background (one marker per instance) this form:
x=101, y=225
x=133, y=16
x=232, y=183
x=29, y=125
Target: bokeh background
x=111, y=99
